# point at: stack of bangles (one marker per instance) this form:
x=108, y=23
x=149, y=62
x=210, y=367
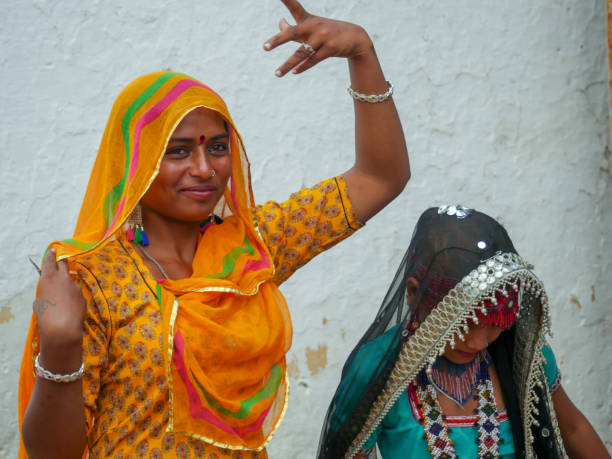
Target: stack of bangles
x=46, y=374
x=371, y=98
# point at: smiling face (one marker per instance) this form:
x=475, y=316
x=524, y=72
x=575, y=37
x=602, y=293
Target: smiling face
x=194, y=170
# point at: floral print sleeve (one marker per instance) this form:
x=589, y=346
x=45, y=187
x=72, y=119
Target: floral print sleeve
x=309, y=222
x=97, y=331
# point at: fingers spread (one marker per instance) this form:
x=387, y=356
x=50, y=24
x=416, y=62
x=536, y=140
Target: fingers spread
x=287, y=33
x=283, y=24
x=300, y=55
x=312, y=60
x=296, y=9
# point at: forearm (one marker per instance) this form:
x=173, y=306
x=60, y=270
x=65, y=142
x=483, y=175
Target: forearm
x=583, y=442
x=380, y=146
x=54, y=422
x=381, y=167
x=579, y=437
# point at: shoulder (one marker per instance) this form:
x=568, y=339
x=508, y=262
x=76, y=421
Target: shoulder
x=549, y=362
x=369, y=357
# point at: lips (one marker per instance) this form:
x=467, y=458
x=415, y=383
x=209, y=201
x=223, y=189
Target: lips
x=467, y=355
x=201, y=192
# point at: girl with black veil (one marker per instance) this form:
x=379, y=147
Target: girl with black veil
x=455, y=363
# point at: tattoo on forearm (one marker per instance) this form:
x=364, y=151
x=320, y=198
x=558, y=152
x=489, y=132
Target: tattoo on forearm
x=41, y=305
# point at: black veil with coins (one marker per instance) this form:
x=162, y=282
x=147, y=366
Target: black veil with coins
x=459, y=263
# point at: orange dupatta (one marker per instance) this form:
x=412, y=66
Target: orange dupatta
x=227, y=328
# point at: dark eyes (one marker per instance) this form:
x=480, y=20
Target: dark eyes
x=178, y=152
x=215, y=149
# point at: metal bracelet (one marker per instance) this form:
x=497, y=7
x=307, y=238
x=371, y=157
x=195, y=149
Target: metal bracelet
x=371, y=98
x=46, y=374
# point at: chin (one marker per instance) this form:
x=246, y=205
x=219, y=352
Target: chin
x=460, y=356
x=194, y=214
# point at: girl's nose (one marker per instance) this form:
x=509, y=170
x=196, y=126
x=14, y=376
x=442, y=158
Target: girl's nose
x=478, y=339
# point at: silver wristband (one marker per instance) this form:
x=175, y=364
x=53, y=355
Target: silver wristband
x=371, y=98
x=46, y=374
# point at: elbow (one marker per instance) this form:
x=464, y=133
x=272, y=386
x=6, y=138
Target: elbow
x=38, y=446
x=28, y=439
x=402, y=177
x=406, y=175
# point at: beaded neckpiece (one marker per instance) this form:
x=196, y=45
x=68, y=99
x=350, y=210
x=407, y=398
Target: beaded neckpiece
x=458, y=381
x=436, y=431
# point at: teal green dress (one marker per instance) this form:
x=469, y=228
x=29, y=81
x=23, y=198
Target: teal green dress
x=400, y=435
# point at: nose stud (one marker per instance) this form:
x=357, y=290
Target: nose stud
x=213, y=173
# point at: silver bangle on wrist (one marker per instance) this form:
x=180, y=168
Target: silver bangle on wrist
x=371, y=98
x=46, y=374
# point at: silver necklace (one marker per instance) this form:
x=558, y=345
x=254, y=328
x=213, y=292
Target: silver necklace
x=150, y=257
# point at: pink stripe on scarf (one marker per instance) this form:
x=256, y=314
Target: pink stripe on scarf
x=112, y=225
x=153, y=113
x=254, y=265
x=195, y=405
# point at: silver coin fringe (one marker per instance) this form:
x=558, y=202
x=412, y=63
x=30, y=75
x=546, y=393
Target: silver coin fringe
x=451, y=318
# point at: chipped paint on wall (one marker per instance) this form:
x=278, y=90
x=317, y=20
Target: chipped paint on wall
x=293, y=368
x=316, y=359
x=6, y=314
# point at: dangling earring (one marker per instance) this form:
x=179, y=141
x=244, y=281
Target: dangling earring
x=212, y=220
x=135, y=232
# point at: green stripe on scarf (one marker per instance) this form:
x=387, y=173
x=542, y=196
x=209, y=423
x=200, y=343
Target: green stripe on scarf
x=229, y=260
x=159, y=295
x=113, y=196
x=79, y=244
x=245, y=407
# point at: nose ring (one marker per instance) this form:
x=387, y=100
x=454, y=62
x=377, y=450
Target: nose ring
x=213, y=173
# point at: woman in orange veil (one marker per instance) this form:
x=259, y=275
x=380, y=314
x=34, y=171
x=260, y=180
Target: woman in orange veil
x=158, y=328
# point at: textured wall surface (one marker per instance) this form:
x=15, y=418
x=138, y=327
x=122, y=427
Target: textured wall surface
x=504, y=106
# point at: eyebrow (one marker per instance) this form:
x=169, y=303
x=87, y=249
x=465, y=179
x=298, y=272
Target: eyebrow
x=189, y=139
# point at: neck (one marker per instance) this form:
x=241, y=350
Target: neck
x=171, y=240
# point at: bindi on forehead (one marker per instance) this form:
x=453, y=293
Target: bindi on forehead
x=202, y=139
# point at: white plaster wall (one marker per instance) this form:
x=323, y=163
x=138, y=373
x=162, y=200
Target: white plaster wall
x=504, y=106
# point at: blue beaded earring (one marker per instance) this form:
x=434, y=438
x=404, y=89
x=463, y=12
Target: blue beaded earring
x=135, y=232
x=212, y=220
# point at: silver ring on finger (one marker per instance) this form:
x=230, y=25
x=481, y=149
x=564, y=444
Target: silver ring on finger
x=309, y=49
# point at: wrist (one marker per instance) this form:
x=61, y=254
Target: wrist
x=60, y=358
x=364, y=49
x=60, y=333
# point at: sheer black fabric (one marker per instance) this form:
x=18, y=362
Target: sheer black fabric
x=446, y=247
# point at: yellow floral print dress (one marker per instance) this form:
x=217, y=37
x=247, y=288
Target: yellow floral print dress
x=125, y=388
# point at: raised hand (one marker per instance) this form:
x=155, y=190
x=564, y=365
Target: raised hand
x=321, y=38
x=60, y=306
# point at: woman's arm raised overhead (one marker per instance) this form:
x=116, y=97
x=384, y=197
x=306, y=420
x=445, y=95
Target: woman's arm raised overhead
x=381, y=168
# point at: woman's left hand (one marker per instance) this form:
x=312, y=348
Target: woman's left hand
x=322, y=37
